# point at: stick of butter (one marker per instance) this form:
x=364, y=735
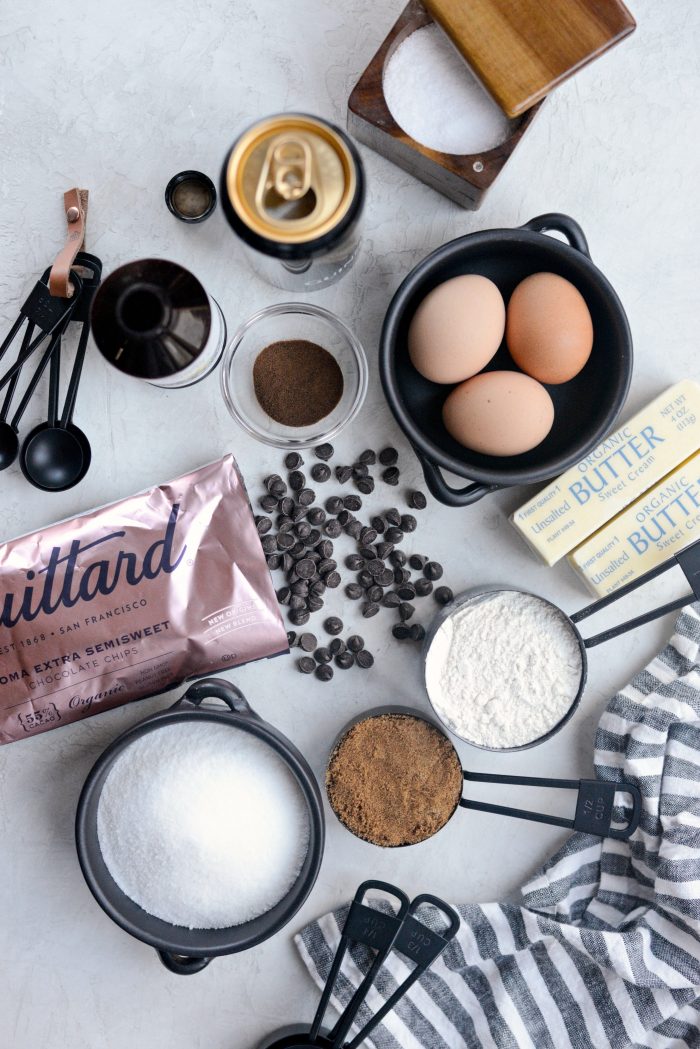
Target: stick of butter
x=614, y=474
x=654, y=528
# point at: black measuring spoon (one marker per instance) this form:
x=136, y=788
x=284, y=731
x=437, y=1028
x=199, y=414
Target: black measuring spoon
x=9, y=440
x=56, y=455
x=34, y=461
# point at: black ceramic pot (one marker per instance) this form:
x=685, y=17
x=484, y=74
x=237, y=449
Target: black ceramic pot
x=585, y=408
x=184, y=950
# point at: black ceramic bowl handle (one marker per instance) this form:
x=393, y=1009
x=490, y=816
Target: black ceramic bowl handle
x=182, y=964
x=217, y=688
x=562, y=224
x=440, y=489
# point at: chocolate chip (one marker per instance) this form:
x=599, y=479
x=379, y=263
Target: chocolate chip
x=405, y=611
x=295, y=601
x=374, y=593
x=322, y=655
x=401, y=575
x=355, y=562
x=394, y=535
x=384, y=549
x=286, y=506
x=400, y=632
x=388, y=456
x=368, y=456
x=368, y=535
x=305, y=568
x=297, y=480
x=314, y=537
x=332, y=528
x=324, y=548
x=273, y=561
x=433, y=570
x=386, y=578
x=423, y=587
x=417, y=501
x=271, y=480
x=360, y=470
x=318, y=587
x=299, y=616
x=283, y=523
x=353, y=528
x=375, y=567
x=284, y=595
x=333, y=625
x=320, y=472
x=293, y=460
x=263, y=524
x=352, y=502
x=269, y=543
x=268, y=503
x=278, y=489
x=345, y=660
x=306, y=665
x=300, y=511
x=406, y=591
x=316, y=516
x=368, y=552
x=364, y=659
x=344, y=516
x=417, y=632
x=314, y=603
x=306, y=497
x=365, y=485
x=300, y=587
x=297, y=549
x=391, y=600
x=334, y=504
x=398, y=558
x=285, y=541
x=324, y=451
x=291, y=638
x=369, y=609
x=365, y=578
x=443, y=595
x=377, y=524
x=356, y=642
x=327, y=565
x=308, y=642
x=391, y=475
x=332, y=580
x=392, y=517
x=302, y=530
x=418, y=561
x=343, y=474
x=408, y=523
x=286, y=562
x=354, y=591
x=336, y=646
x=324, y=672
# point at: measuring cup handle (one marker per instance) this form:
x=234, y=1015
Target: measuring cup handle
x=182, y=964
x=217, y=688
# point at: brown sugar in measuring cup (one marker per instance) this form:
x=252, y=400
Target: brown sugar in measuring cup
x=394, y=779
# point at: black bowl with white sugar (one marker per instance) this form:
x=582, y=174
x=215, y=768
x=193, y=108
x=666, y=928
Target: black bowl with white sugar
x=504, y=669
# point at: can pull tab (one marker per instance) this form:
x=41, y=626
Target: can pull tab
x=285, y=189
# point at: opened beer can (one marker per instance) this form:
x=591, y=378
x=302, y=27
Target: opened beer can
x=293, y=188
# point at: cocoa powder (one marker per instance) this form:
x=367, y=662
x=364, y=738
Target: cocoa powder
x=297, y=382
x=394, y=779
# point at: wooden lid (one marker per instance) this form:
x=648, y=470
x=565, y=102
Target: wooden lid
x=521, y=49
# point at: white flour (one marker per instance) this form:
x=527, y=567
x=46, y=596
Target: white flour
x=504, y=669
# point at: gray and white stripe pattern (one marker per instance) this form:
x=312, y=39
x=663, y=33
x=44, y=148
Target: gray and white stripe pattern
x=605, y=950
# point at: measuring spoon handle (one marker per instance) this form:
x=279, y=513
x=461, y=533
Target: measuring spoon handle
x=9, y=393
x=34, y=381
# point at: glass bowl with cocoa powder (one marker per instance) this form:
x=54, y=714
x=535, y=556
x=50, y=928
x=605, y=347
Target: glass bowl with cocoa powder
x=294, y=375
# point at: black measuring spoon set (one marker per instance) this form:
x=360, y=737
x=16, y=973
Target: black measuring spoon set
x=382, y=933
x=56, y=454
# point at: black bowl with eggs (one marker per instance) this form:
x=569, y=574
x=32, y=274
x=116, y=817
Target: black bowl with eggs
x=585, y=408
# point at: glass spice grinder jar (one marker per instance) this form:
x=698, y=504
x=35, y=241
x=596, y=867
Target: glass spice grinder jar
x=293, y=189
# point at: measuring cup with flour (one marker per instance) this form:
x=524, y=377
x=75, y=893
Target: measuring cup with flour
x=505, y=669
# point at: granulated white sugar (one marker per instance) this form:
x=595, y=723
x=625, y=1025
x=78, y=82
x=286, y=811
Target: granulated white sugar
x=202, y=825
x=436, y=99
x=504, y=669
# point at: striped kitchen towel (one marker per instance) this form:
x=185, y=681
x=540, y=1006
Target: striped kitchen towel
x=605, y=949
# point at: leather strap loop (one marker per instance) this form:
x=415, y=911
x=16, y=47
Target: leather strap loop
x=75, y=202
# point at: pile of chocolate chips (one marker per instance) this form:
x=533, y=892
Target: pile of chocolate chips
x=300, y=543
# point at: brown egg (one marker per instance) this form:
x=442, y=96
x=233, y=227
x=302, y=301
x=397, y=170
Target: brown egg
x=499, y=413
x=457, y=328
x=549, y=330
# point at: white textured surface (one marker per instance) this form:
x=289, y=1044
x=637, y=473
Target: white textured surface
x=119, y=96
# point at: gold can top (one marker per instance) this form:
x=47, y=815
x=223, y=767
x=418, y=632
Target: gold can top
x=291, y=178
